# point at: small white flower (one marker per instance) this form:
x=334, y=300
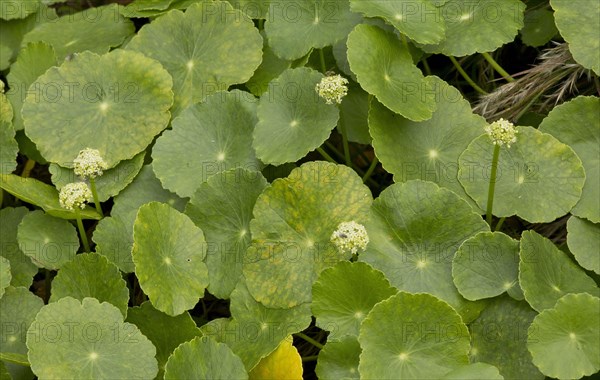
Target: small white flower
x=74, y=195
x=350, y=237
x=332, y=88
x=502, y=132
x=89, y=163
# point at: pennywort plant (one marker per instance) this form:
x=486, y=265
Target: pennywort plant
x=299, y=189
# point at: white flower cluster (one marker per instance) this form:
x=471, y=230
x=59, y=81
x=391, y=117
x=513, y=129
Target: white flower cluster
x=89, y=163
x=332, y=88
x=350, y=236
x=502, y=132
x=74, y=194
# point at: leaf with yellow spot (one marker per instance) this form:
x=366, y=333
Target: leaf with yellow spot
x=284, y=363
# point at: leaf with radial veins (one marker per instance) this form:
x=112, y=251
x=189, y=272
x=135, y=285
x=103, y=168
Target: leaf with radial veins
x=91, y=275
x=576, y=124
x=294, y=220
x=292, y=118
x=222, y=208
x=344, y=294
x=415, y=229
x=206, y=49
x=478, y=26
x=385, y=68
x=339, y=359
x=427, y=150
x=411, y=336
x=90, y=100
x=538, y=178
x=486, y=265
x=111, y=349
x=565, y=340
x=207, y=138
x=419, y=20
x=48, y=241
x=204, y=358
x=96, y=29
x=168, y=253
x=499, y=337
x=547, y=273
x=294, y=28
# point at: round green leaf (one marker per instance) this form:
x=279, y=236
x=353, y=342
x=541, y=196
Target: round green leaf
x=72, y=339
x=576, y=124
x=21, y=268
x=486, y=265
x=96, y=29
x=206, y=139
x=5, y=58
x=204, y=358
x=565, y=341
x=91, y=99
x=339, y=360
x=343, y=295
x=5, y=275
x=583, y=239
x=412, y=336
x=114, y=240
x=415, y=229
x=153, y=324
x=222, y=208
x=427, y=150
x=8, y=148
x=579, y=24
x=48, y=241
x=206, y=49
x=546, y=273
x=419, y=20
x=539, y=178
x=499, y=337
x=539, y=27
x=384, y=68
x=18, y=308
x=109, y=184
x=91, y=275
x=18, y=9
x=33, y=60
x=294, y=220
x=168, y=253
x=475, y=371
x=293, y=28
x=292, y=118
x=114, y=235
x=476, y=27
x=255, y=330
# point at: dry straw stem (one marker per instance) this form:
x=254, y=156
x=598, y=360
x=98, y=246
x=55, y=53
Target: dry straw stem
x=552, y=81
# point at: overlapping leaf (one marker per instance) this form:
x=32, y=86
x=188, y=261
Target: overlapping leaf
x=206, y=49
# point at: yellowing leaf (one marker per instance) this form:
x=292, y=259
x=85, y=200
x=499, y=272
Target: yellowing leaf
x=283, y=363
